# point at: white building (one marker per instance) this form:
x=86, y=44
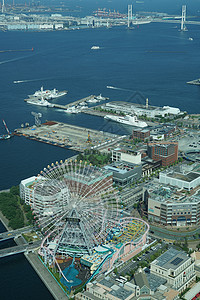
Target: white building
x=140, y=109
x=187, y=177
x=25, y=189
x=170, y=206
x=127, y=156
x=176, y=267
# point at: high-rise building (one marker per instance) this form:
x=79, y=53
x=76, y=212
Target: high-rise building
x=167, y=152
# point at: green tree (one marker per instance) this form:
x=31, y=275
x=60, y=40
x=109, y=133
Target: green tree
x=15, y=190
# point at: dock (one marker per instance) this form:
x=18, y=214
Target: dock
x=69, y=136
x=195, y=82
x=65, y=107
x=45, y=275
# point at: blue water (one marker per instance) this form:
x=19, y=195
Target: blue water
x=154, y=61
x=71, y=273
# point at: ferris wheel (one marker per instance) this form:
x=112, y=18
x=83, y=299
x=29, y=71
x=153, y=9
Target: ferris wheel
x=75, y=206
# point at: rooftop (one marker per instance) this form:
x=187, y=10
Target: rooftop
x=116, y=290
x=171, y=259
x=121, y=167
x=189, y=177
x=155, y=281
x=170, y=194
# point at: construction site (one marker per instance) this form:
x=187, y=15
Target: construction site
x=68, y=136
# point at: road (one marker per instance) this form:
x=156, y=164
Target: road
x=19, y=249
x=146, y=256
x=173, y=235
x=14, y=233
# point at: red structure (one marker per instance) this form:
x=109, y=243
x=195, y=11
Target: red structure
x=167, y=152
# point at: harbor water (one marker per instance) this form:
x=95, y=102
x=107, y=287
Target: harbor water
x=150, y=61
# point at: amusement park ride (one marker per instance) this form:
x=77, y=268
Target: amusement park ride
x=81, y=217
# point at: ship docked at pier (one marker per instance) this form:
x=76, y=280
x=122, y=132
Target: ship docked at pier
x=48, y=94
x=131, y=120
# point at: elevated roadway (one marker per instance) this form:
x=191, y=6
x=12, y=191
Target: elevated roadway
x=164, y=233
x=14, y=233
x=175, y=21
x=19, y=249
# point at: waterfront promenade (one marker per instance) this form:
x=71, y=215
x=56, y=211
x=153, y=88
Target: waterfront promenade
x=46, y=277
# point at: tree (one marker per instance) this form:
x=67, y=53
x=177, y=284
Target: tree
x=15, y=190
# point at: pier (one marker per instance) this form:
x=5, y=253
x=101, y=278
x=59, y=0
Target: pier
x=69, y=136
x=61, y=106
x=65, y=107
x=45, y=275
x=74, y=103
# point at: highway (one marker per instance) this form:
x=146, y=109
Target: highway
x=14, y=233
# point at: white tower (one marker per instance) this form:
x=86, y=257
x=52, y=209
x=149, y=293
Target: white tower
x=183, y=18
x=147, y=103
x=130, y=14
x=3, y=9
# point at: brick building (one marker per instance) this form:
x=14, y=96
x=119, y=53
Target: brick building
x=141, y=134
x=167, y=152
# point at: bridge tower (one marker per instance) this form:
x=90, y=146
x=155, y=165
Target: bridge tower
x=183, y=18
x=130, y=14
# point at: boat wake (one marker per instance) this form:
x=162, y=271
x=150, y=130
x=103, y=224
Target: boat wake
x=14, y=59
x=31, y=80
x=120, y=89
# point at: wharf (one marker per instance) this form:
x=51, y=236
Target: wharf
x=65, y=107
x=196, y=82
x=45, y=275
x=69, y=136
x=74, y=102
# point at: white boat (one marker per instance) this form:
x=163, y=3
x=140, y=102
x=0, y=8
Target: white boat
x=18, y=81
x=72, y=110
x=100, y=98
x=190, y=39
x=93, y=100
x=48, y=94
x=95, y=48
x=40, y=102
x=127, y=120
x=55, y=94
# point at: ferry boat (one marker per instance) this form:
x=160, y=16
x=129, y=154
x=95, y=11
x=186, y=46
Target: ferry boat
x=127, y=120
x=6, y=136
x=48, y=94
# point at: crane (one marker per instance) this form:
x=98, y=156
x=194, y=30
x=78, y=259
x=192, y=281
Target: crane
x=37, y=118
x=89, y=138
